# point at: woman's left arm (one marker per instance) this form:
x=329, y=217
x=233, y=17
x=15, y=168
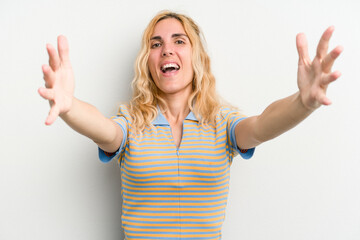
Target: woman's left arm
x=313, y=79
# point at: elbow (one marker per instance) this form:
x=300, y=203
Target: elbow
x=111, y=141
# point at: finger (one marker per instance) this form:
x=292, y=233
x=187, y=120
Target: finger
x=324, y=43
x=46, y=93
x=323, y=99
x=53, y=114
x=330, y=58
x=302, y=48
x=49, y=76
x=54, y=60
x=63, y=48
x=330, y=78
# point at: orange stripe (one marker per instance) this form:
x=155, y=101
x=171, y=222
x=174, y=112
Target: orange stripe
x=174, y=208
x=174, y=198
x=175, y=225
x=172, y=219
x=152, y=163
x=166, y=173
x=169, y=231
x=178, y=214
x=186, y=188
x=202, y=204
x=176, y=193
x=182, y=169
x=167, y=183
x=177, y=178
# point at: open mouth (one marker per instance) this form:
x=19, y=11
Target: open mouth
x=170, y=67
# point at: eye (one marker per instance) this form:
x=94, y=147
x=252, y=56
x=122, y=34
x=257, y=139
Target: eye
x=180, y=42
x=155, y=45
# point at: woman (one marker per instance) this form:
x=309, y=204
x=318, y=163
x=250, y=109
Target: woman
x=175, y=139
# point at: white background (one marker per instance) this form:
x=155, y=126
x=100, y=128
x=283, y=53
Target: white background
x=302, y=185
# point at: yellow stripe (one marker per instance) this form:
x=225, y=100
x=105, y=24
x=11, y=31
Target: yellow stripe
x=174, y=225
x=202, y=204
x=151, y=174
x=177, y=178
x=174, y=198
x=176, y=193
x=167, y=157
x=172, y=219
x=174, y=208
x=202, y=165
x=166, y=173
x=151, y=163
x=184, y=169
x=158, y=232
x=195, y=141
x=173, y=151
x=157, y=147
x=177, y=214
x=209, y=135
x=176, y=168
x=167, y=183
x=153, y=143
x=186, y=189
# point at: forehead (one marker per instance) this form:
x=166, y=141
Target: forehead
x=168, y=26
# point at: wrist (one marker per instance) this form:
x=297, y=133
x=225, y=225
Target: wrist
x=69, y=109
x=307, y=108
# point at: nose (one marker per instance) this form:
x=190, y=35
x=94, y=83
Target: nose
x=167, y=51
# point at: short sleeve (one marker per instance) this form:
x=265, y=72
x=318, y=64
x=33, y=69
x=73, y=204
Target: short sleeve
x=122, y=122
x=233, y=118
x=244, y=153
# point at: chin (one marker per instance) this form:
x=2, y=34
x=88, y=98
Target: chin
x=173, y=86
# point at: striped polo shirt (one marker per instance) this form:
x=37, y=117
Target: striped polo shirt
x=176, y=193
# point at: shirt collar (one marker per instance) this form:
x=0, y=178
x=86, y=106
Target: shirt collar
x=161, y=120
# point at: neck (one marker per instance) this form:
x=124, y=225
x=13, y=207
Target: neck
x=177, y=107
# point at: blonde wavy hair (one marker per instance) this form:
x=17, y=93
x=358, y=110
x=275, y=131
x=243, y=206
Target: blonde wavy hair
x=204, y=102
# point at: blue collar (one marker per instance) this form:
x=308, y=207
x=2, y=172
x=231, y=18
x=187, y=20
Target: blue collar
x=161, y=120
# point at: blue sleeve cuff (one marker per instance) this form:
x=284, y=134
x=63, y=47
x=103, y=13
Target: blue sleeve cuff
x=244, y=153
x=106, y=157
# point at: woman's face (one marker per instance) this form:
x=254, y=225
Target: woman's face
x=170, y=58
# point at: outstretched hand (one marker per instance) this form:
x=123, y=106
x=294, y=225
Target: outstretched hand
x=59, y=80
x=315, y=76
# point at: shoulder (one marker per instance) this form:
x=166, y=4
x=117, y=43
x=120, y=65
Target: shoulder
x=226, y=112
x=124, y=111
x=123, y=115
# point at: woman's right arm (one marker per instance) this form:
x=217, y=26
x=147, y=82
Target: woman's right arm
x=80, y=116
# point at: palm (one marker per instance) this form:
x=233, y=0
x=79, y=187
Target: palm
x=59, y=80
x=315, y=76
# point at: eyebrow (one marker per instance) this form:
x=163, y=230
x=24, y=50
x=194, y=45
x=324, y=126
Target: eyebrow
x=173, y=36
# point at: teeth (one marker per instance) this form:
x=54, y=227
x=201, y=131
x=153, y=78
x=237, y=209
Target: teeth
x=170, y=65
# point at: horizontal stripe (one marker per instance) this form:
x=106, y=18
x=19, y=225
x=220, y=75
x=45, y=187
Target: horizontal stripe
x=184, y=183
x=175, y=228
x=168, y=233
x=173, y=223
x=199, y=172
x=184, y=188
x=171, y=193
x=187, y=194
x=175, y=203
x=176, y=215
x=157, y=212
x=196, y=220
x=166, y=208
x=176, y=177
